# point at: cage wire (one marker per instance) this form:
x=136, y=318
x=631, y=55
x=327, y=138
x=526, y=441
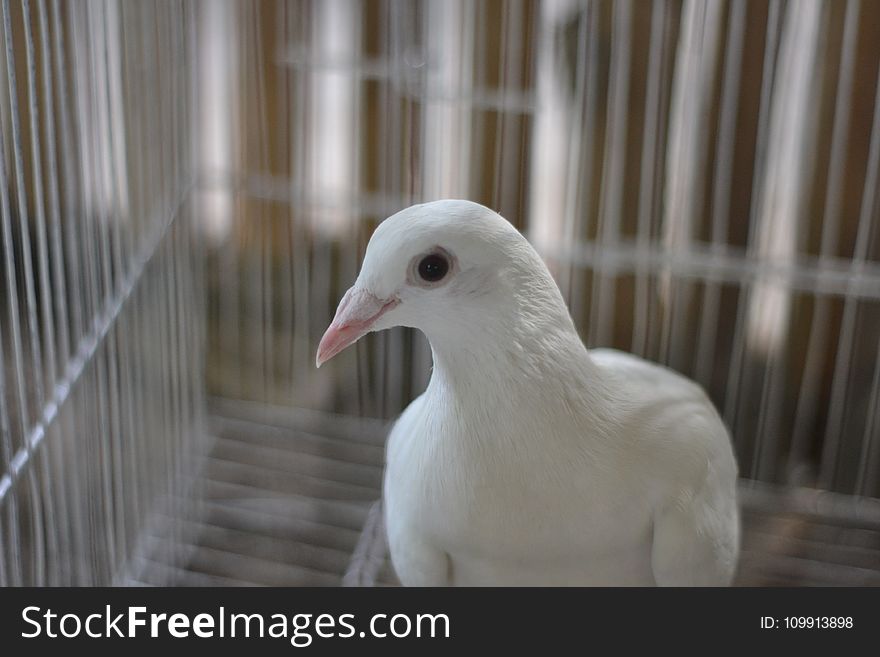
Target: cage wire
x=188, y=189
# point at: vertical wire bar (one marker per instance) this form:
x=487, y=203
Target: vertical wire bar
x=481, y=66
x=404, y=355
x=404, y=35
x=12, y=540
x=765, y=446
x=843, y=359
x=119, y=229
x=191, y=258
x=603, y=295
x=820, y=324
x=510, y=169
x=155, y=330
x=681, y=159
x=362, y=355
x=77, y=523
x=687, y=187
x=578, y=201
x=526, y=83
x=280, y=43
x=252, y=221
x=178, y=94
x=394, y=91
x=353, y=239
x=184, y=263
x=423, y=86
x=265, y=216
x=48, y=329
x=102, y=219
x=120, y=128
x=175, y=429
x=415, y=60
x=722, y=187
x=501, y=111
x=175, y=239
x=125, y=254
x=198, y=290
x=136, y=362
x=153, y=343
x=4, y=577
x=866, y=479
x=668, y=50
x=103, y=216
x=464, y=76
x=86, y=427
x=59, y=295
x=127, y=421
x=36, y=365
x=648, y=173
x=679, y=322
x=21, y=194
x=388, y=151
x=4, y=581
x=132, y=432
x=162, y=491
x=287, y=326
x=165, y=270
x=389, y=179
x=142, y=431
x=114, y=339
x=230, y=298
x=39, y=198
x=299, y=234
x=431, y=85
x=805, y=32
x=83, y=112
x=393, y=134
x=298, y=165
x=737, y=363
x=70, y=249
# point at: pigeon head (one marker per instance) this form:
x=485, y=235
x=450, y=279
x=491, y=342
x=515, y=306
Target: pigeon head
x=450, y=268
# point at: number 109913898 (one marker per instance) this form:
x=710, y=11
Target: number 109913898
x=807, y=622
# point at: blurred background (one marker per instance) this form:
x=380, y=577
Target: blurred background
x=187, y=188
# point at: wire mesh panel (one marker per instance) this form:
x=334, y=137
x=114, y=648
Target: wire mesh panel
x=101, y=292
x=699, y=176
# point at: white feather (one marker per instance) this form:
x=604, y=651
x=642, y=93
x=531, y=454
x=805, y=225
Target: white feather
x=530, y=460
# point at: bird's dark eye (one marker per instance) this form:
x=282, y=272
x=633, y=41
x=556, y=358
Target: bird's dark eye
x=433, y=267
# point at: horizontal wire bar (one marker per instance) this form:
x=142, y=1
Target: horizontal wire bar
x=367, y=68
x=406, y=78
x=266, y=187
x=365, y=430
x=812, y=502
x=704, y=261
x=708, y=263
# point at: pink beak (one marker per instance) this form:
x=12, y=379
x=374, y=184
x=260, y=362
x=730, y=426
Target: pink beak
x=355, y=317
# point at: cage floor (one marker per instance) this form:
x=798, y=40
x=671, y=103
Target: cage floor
x=284, y=496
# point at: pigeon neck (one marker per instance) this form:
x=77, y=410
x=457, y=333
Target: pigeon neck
x=508, y=353
x=547, y=382
x=513, y=341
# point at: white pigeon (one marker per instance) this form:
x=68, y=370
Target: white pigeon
x=530, y=460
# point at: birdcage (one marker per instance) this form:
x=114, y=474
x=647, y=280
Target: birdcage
x=188, y=188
